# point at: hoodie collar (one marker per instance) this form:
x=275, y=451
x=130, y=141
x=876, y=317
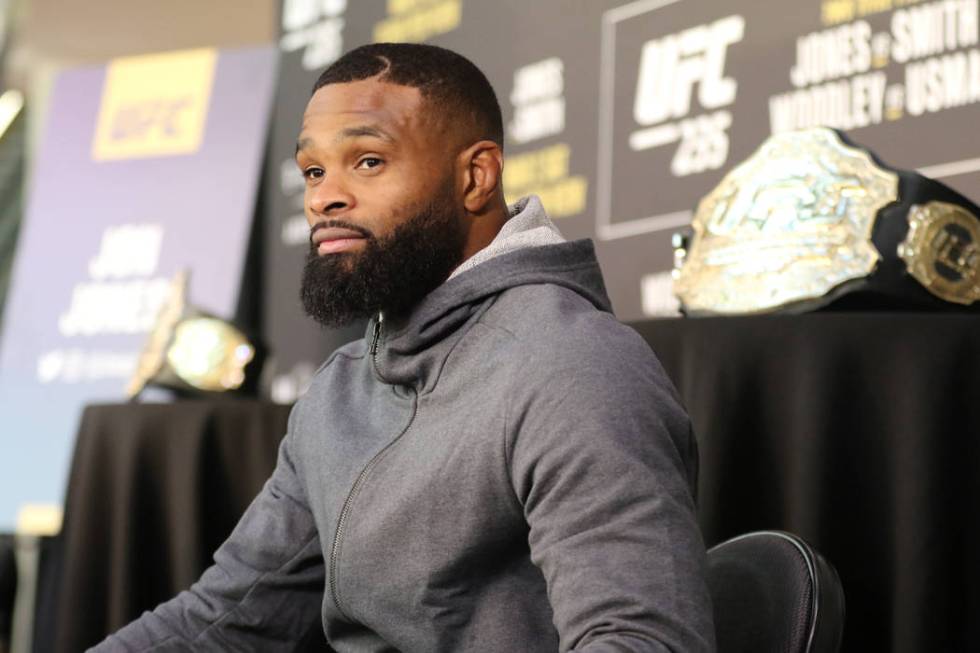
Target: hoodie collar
x=528, y=226
x=411, y=349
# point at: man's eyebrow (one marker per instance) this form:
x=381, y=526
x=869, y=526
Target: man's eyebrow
x=349, y=132
x=364, y=130
x=302, y=144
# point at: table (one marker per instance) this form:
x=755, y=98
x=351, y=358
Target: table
x=153, y=491
x=861, y=433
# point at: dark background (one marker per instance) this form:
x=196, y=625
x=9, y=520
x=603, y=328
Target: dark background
x=505, y=35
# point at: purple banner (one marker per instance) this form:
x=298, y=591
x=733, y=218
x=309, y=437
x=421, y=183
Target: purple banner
x=148, y=165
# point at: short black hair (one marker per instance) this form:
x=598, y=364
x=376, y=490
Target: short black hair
x=450, y=81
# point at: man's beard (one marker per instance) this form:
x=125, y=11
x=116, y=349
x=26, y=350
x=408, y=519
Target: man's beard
x=390, y=274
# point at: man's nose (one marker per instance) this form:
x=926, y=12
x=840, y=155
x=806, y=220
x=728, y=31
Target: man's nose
x=329, y=197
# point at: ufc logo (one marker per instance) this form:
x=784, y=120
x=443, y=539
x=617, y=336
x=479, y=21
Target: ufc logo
x=136, y=121
x=672, y=65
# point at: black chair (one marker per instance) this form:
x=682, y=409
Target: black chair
x=773, y=592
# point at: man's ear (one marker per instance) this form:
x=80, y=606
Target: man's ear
x=483, y=165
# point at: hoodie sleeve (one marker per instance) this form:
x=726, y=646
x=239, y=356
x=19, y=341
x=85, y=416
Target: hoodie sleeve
x=263, y=592
x=603, y=461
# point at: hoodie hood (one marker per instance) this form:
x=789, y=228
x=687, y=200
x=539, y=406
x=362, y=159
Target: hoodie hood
x=528, y=226
x=411, y=349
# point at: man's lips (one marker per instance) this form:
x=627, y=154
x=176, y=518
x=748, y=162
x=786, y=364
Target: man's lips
x=329, y=240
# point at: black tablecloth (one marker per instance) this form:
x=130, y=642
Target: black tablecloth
x=860, y=433
x=154, y=489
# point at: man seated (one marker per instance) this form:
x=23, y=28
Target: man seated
x=499, y=465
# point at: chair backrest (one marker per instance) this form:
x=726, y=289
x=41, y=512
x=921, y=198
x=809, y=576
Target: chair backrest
x=773, y=592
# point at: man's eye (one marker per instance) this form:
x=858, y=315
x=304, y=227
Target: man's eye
x=369, y=162
x=312, y=173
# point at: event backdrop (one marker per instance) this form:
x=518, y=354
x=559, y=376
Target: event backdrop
x=148, y=165
x=622, y=115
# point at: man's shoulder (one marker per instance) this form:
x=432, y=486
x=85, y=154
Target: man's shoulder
x=556, y=323
x=338, y=362
x=354, y=350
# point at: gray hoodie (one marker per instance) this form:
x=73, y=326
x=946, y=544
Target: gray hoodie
x=507, y=468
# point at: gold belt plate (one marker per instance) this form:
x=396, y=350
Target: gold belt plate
x=942, y=251
x=190, y=349
x=789, y=224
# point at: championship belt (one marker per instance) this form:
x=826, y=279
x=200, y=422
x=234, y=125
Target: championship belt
x=811, y=219
x=194, y=352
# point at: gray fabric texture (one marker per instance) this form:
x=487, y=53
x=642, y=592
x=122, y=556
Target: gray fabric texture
x=528, y=226
x=507, y=468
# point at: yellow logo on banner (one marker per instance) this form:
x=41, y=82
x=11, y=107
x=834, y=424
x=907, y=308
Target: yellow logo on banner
x=154, y=105
x=418, y=20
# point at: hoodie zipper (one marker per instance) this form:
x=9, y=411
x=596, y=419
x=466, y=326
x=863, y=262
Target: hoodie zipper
x=359, y=481
x=376, y=336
